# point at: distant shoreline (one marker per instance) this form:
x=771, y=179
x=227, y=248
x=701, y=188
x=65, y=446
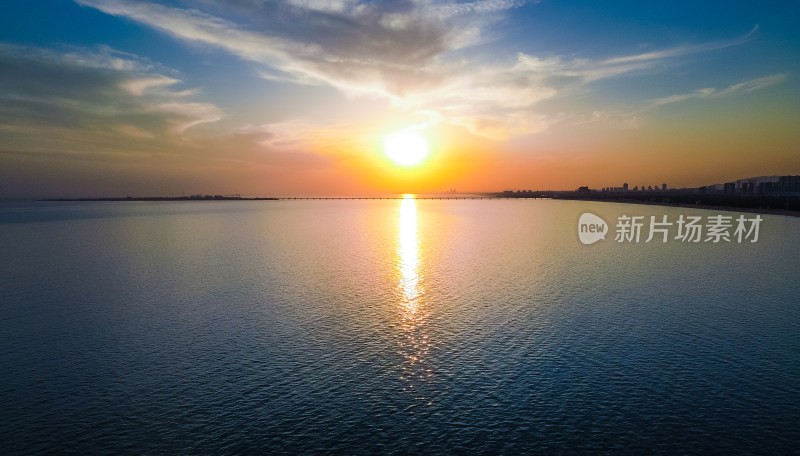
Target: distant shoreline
x=788, y=205
x=702, y=201
x=711, y=207
x=162, y=198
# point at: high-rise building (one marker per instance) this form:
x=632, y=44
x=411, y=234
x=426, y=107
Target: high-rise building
x=625, y=187
x=789, y=183
x=730, y=187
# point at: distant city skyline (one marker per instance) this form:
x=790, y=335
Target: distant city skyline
x=753, y=183
x=307, y=97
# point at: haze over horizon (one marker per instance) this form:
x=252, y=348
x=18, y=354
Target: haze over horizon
x=297, y=97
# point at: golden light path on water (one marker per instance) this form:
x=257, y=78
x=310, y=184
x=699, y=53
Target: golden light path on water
x=414, y=313
x=409, y=253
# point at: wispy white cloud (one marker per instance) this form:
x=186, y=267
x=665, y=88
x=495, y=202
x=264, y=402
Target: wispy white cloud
x=141, y=85
x=130, y=123
x=91, y=92
x=486, y=6
x=384, y=48
x=754, y=84
x=682, y=50
x=635, y=118
x=747, y=86
x=408, y=51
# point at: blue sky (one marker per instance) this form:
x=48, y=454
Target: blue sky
x=252, y=96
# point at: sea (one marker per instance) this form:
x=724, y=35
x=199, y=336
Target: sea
x=401, y=326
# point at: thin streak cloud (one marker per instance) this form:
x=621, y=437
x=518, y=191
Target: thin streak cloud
x=683, y=50
x=747, y=86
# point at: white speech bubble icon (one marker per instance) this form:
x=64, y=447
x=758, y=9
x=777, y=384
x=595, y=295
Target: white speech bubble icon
x=591, y=228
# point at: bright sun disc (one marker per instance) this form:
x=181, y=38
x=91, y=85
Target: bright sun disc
x=406, y=148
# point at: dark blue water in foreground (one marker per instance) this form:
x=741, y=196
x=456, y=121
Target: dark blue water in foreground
x=389, y=327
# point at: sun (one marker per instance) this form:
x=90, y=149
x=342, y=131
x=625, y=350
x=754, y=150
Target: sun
x=406, y=148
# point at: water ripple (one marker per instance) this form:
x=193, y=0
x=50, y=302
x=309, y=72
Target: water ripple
x=386, y=327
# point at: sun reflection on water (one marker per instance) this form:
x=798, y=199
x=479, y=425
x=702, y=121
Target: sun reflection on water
x=409, y=252
x=414, y=341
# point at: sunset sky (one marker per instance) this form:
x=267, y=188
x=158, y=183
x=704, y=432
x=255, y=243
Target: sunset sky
x=296, y=97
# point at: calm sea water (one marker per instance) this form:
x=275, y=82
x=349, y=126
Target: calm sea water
x=390, y=327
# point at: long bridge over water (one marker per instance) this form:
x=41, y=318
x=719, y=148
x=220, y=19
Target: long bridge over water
x=384, y=197
x=537, y=195
x=418, y=197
